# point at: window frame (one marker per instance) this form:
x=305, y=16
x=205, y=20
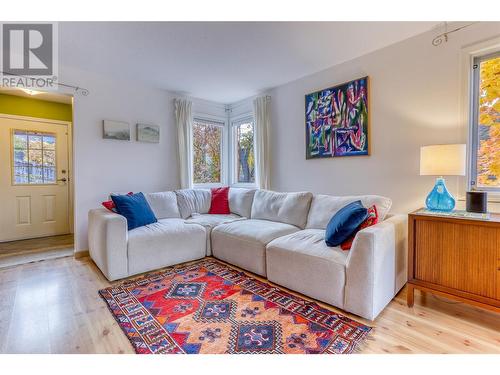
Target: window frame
x=235, y=121
x=224, y=123
x=13, y=160
x=473, y=144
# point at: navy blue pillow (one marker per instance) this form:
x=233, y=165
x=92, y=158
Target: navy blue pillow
x=344, y=223
x=135, y=208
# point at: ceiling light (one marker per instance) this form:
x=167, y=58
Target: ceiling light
x=31, y=92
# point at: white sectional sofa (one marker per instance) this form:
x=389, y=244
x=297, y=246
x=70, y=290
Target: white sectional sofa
x=276, y=235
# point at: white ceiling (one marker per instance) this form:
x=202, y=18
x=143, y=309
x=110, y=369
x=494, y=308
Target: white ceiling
x=222, y=61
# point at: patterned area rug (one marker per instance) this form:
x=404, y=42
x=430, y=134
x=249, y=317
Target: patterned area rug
x=208, y=307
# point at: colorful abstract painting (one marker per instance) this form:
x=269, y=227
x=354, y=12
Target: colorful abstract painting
x=337, y=120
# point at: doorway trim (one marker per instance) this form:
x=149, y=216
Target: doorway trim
x=69, y=127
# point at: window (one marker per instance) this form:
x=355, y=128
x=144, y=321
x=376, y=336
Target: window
x=34, y=157
x=243, y=151
x=485, y=155
x=207, y=151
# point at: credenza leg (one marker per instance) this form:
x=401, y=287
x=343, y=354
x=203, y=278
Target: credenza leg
x=410, y=295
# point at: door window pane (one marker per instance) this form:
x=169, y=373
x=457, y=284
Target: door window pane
x=49, y=175
x=20, y=141
x=49, y=158
x=20, y=157
x=49, y=142
x=35, y=175
x=207, y=151
x=34, y=158
x=21, y=170
x=35, y=142
x=244, y=153
x=21, y=179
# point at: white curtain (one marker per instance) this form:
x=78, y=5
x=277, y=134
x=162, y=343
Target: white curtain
x=262, y=118
x=184, y=119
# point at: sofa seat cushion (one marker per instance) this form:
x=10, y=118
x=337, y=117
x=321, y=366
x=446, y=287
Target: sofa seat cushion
x=165, y=243
x=212, y=220
x=243, y=242
x=302, y=261
x=209, y=221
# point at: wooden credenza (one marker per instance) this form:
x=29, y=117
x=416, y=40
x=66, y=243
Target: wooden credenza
x=456, y=258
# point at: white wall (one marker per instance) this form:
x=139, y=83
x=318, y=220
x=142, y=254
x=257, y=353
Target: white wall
x=102, y=166
x=415, y=100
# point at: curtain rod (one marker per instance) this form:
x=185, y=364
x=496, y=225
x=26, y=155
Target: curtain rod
x=81, y=90
x=443, y=37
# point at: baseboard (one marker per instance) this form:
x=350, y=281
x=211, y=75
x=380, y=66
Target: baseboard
x=81, y=254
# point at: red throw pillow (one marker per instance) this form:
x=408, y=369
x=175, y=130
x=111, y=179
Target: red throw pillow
x=372, y=219
x=219, y=203
x=110, y=205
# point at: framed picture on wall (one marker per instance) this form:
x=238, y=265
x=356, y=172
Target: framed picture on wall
x=116, y=130
x=337, y=120
x=148, y=133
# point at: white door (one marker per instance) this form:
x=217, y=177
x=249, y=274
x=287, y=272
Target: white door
x=33, y=179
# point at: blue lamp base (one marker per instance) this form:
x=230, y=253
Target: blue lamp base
x=440, y=199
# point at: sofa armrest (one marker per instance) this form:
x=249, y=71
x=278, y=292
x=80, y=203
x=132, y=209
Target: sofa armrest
x=108, y=236
x=376, y=267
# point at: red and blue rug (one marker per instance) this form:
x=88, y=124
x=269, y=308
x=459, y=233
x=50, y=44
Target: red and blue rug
x=208, y=307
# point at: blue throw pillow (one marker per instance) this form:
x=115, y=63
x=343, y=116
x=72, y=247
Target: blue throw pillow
x=135, y=208
x=344, y=223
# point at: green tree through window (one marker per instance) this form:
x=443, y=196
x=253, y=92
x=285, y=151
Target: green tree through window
x=34, y=156
x=207, y=149
x=245, y=158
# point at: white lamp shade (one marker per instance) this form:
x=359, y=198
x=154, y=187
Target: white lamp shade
x=442, y=160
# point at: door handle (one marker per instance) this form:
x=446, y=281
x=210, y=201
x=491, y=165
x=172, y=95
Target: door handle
x=62, y=179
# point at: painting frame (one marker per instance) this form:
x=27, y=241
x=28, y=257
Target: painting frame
x=353, y=137
x=148, y=133
x=116, y=130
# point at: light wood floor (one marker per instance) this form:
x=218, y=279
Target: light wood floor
x=35, y=249
x=36, y=245
x=53, y=307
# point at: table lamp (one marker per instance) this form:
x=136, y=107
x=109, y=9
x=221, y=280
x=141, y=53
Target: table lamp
x=442, y=160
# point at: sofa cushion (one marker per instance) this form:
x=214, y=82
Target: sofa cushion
x=209, y=221
x=165, y=243
x=372, y=219
x=243, y=242
x=135, y=208
x=163, y=204
x=289, y=208
x=110, y=205
x=303, y=262
x=219, y=201
x=193, y=201
x=344, y=223
x=240, y=201
x=323, y=207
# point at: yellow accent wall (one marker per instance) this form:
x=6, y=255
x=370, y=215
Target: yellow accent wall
x=21, y=106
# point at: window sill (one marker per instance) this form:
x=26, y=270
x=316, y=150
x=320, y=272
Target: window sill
x=244, y=185
x=218, y=185
x=208, y=185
